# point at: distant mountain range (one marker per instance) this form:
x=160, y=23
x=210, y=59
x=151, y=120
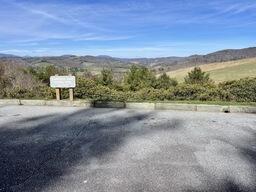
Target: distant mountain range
x=159, y=64
x=2, y=55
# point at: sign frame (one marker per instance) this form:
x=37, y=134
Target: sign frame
x=59, y=82
x=63, y=81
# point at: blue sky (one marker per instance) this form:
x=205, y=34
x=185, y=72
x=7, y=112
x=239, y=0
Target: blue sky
x=125, y=28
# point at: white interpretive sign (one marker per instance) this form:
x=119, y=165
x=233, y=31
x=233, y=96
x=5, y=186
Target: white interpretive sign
x=63, y=81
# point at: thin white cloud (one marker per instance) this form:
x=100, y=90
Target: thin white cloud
x=49, y=37
x=56, y=12
x=34, y=24
x=42, y=13
x=240, y=8
x=41, y=19
x=100, y=38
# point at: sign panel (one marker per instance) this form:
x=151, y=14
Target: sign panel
x=63, y=81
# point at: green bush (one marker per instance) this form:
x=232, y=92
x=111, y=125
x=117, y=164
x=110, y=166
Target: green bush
x=210, y=94
x=106, y=78
x=103, y=93
x=85, y=88
x=138, y=78
x=188, y=92
x=197, y=76
x=165, y=82
x=43, y=73
x=145, y=94
x=243, y=90
x=39, y=92
x=89, y=89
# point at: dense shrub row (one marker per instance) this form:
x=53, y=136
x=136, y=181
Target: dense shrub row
x=140, y=85
x=243, y=90
x=38, y=92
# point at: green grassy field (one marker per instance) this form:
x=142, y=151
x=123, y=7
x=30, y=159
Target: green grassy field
x=223, y=71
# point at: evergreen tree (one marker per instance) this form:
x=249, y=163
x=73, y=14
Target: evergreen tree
x=44, y=73
x=138, y=78
x=197, y=76
x=165, y=82
x=106, y=77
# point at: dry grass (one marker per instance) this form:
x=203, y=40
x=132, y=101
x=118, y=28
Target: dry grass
x=222, y=71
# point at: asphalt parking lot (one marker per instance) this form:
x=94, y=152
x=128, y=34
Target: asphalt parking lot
x=98, y=150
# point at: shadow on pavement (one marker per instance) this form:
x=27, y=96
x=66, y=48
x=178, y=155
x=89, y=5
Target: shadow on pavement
x=36, y=152
x=42, y=149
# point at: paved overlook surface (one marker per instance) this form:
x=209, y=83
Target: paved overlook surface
x=65, y=149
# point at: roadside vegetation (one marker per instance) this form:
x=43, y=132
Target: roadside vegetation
x=138, y=84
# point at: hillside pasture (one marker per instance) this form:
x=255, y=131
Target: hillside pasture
x=222, y=71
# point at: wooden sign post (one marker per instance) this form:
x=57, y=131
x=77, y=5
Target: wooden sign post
x=58, y=94
x=59, y=82
x=71, y=94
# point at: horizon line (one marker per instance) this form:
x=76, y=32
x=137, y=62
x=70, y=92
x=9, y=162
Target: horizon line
x=84, y=55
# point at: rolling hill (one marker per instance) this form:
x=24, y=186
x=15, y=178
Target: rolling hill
x=222, y=65
x=158, y=64
x=174, y=63
x=222, y=71
x=68, y=61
